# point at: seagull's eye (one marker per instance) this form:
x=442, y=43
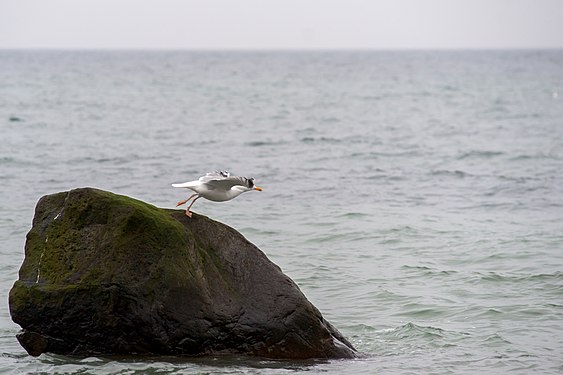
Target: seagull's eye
x=251, y=183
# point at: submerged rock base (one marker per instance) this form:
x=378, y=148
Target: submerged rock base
x=108, y=274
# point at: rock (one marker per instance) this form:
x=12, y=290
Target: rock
x=108, y=274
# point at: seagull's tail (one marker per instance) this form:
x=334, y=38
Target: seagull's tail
x=185, y=184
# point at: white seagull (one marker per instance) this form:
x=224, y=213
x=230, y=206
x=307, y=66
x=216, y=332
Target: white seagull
x=218, y=186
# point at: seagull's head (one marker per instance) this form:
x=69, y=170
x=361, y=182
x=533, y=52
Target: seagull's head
x=246, y=184
x=251, y=186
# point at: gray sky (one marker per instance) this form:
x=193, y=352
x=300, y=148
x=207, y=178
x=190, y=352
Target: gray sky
x=281, y=24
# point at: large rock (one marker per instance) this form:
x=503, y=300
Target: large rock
x=108, y=274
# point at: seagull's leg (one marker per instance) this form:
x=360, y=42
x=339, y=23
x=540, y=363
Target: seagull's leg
x=185, y=200
x=188, y=213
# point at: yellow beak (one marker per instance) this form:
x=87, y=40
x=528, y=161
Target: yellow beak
x=257, y=188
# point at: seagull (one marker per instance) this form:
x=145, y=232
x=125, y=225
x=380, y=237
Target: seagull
x=218, y=186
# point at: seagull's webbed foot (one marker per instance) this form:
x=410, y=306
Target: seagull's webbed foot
x=185, y=200
x=188, y=213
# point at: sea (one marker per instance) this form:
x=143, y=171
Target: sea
x=415, y=197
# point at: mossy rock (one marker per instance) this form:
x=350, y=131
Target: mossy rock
x=108, y=274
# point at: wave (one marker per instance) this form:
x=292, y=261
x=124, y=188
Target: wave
x=410, y=330
x=420, y=311
x=354, y=215
x=265, y=143
x=479, y=154
x=320, y=140
x=504, y=278
x=428, y=272
x=538, y=156
x=495, y=340
x=412, y=335
x=454, y=173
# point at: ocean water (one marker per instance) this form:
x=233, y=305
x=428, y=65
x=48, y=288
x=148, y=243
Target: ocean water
x=415, y=197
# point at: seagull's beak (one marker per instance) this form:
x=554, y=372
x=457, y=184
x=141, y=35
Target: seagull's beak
x=257, y=188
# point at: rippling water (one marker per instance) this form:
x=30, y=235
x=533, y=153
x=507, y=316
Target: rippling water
x=415, y=197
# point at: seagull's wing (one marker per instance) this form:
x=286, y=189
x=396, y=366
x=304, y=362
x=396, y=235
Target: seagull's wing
x=211, y=176
x=227, y=183
x=217, y=175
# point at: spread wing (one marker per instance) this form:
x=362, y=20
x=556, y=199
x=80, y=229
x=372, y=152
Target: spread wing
x=217, y=175
x=227, y=183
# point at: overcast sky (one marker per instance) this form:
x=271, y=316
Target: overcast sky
x=281, y=24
